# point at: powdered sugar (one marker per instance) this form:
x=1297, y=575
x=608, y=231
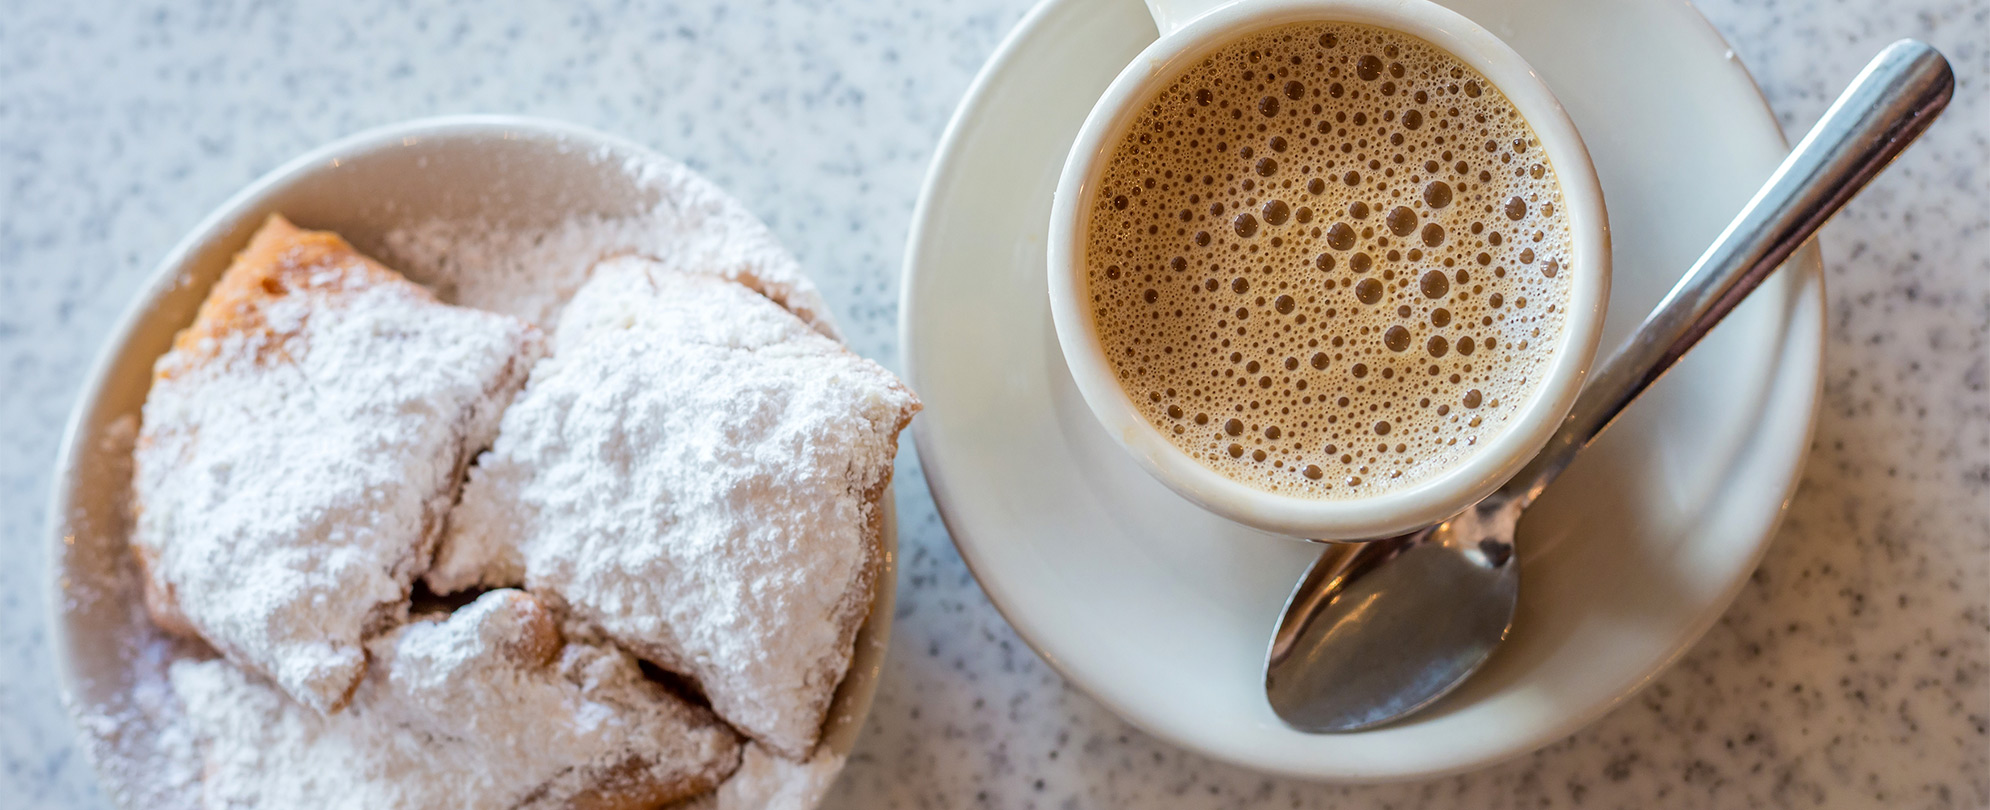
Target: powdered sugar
x=487, y=708
x=298, y=450
x=696, y=472
x=143, y=736
x=530, y=273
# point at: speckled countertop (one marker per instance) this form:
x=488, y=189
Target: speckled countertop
x=1854, y=671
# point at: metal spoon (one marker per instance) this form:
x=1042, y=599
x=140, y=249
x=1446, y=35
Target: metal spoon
x=1378, y=630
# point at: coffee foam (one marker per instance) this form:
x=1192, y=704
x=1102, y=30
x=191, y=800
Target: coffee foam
x=1325, y=261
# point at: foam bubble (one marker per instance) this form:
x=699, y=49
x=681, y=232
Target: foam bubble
x=1325, y=260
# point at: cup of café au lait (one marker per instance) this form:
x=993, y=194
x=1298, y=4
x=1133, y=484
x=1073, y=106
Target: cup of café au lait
x=1334, y=270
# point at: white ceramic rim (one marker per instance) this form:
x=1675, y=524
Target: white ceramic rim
x=854, y=695
x=1386, y=513
x=1783, y=445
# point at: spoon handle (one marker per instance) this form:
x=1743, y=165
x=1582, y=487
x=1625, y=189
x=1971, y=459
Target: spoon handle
x=1889, y=104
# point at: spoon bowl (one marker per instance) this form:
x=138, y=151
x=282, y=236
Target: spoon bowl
x=1406, y=619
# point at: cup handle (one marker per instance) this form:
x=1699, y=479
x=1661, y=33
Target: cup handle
x=1171, y=15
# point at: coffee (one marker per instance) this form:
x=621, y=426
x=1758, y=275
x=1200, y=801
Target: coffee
x=1326, y=260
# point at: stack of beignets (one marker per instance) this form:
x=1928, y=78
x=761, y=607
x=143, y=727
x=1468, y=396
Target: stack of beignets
x=692, y=476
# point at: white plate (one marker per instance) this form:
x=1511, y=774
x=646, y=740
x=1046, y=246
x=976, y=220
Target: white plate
x=1162, y=612
x=524, y=172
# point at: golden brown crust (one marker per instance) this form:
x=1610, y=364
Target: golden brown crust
x=539, y=639
x=627, y=787
x=280, y=258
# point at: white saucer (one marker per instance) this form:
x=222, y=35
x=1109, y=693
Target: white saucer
x=1162, y=612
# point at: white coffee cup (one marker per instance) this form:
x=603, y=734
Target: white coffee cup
x=1191, y=29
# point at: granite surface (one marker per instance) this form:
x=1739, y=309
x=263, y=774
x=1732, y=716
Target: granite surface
x=1854, y=670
